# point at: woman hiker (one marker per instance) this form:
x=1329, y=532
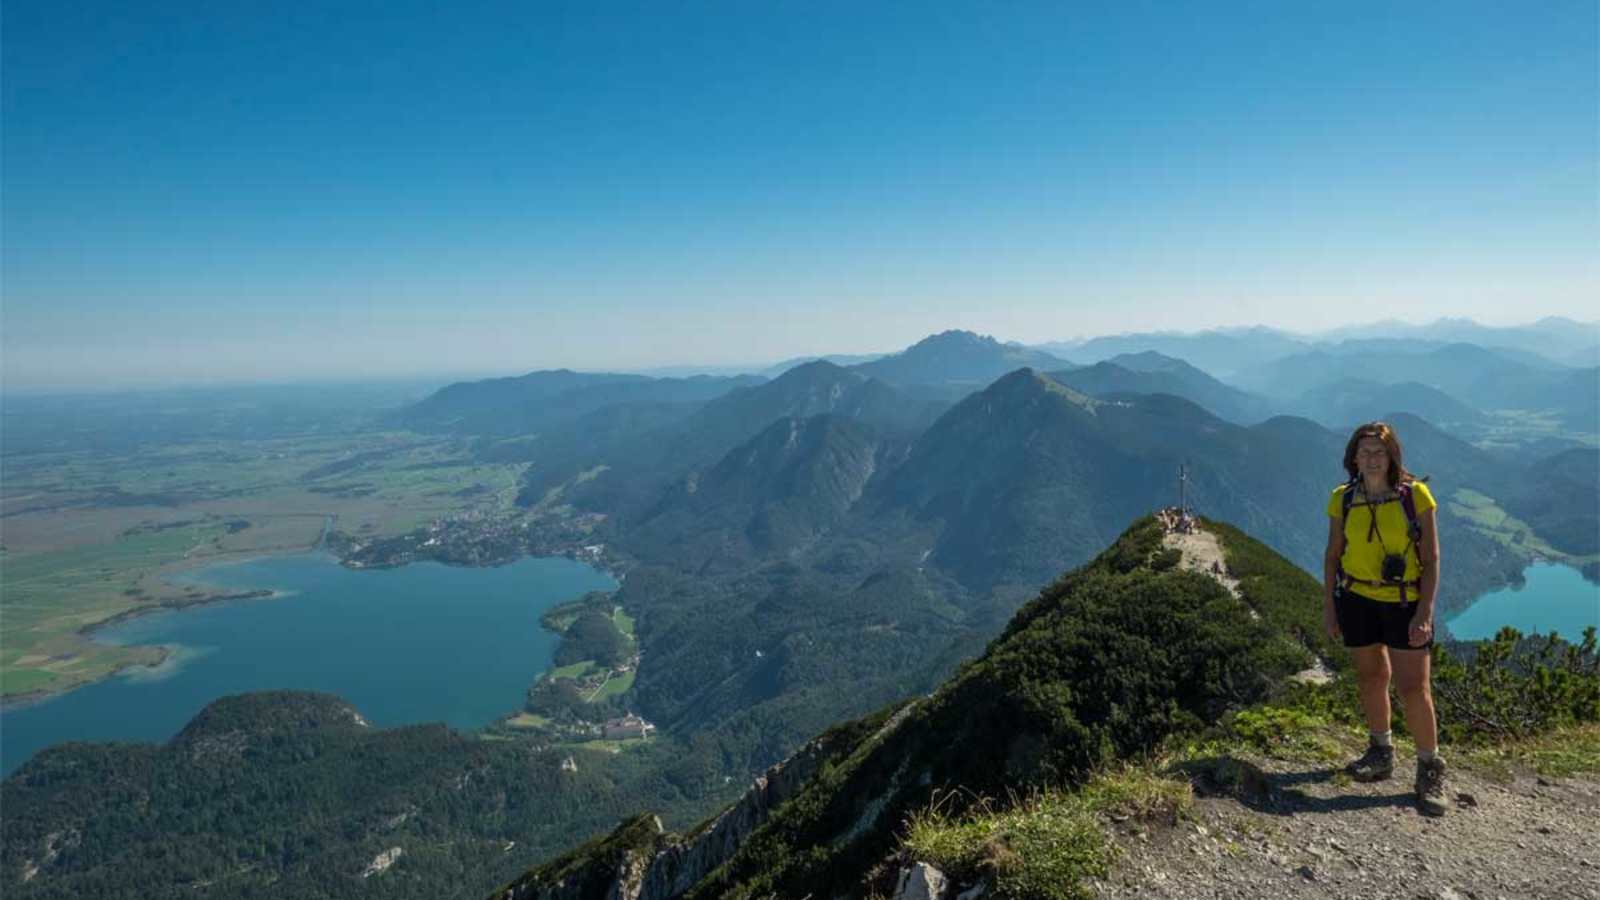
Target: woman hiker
x=1380, y=575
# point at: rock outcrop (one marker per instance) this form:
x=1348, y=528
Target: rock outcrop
x=664, y=867
x=677, y=867
x=639, y=861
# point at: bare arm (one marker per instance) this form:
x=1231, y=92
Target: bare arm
x=1331, y=557
x=1330, y=573
x=1421, y=630
x=1428, y=555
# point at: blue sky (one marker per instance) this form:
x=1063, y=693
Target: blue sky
x=232, y=191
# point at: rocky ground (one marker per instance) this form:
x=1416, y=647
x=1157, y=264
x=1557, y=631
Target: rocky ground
x=1273, y=828
x=1202, y=553
x=1285, y=829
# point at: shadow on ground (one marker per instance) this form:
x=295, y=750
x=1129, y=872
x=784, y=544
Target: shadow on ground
x=1280, y=793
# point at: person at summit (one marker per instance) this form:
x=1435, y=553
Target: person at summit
x=1381, y=575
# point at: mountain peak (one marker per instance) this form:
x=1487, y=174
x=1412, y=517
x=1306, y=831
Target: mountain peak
x=815, y=368
x=955, y=338
x=958, y=357
x=1028, y=381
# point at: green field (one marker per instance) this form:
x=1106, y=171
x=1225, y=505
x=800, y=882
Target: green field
x=603, y=745
x=575, y=671
x=615, y=686
x=20, y=681
x=623, y=620
x=1510, y=428
x=1489, y=518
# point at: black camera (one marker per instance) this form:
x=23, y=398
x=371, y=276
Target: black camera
x=1394, y=568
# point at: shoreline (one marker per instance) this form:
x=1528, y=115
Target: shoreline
x=24, y=699
x=174, y=606
x=13, y=702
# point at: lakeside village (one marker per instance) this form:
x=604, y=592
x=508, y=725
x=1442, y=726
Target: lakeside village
x=481, y=537
x=582, y=698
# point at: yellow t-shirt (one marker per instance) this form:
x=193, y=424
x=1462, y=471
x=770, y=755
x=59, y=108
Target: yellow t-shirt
x=1363, y=559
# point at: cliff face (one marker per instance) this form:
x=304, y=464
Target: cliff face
x=677, y=867
x=640, y=862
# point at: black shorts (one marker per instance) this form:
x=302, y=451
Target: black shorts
x=1364, y=621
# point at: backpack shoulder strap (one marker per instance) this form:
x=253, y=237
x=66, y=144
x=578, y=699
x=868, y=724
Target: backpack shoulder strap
x=1409, y=504
x=1349, y=497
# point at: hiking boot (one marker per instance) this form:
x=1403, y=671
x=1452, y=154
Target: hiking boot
x=1430, y=787
x=1374, y=765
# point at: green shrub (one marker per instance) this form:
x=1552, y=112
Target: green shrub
x=1511, y=687
x=1165, y=559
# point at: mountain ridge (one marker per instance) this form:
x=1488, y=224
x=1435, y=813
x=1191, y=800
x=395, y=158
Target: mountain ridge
x=1004, y=720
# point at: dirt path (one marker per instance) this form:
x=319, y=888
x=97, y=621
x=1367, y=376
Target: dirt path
x=1203, y=553
x=1302, y=830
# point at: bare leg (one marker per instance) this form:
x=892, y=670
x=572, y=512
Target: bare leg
x=1372, y=678
x=1412, y=681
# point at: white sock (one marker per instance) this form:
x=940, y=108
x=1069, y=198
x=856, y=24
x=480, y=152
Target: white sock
x=1427, y=755
x=1381, y=739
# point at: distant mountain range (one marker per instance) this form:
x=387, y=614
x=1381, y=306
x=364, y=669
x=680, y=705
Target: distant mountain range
x=1221, y=352
x=1228, y=351
x=1554, y=338
x=1264, y=372
x=538, y=401
x=1449, y=375
x=1007, y=480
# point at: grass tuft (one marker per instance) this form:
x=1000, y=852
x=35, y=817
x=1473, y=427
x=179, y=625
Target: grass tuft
x=1045, y=844
x=1286, y=733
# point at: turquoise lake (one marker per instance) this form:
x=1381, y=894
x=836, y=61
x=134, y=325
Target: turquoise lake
x=420, y=643
x=1554, y=597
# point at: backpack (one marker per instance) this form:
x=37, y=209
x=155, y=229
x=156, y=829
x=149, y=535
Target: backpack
x=1413, y=532
x=1407, y=503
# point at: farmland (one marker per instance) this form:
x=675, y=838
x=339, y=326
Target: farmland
x=90, y=536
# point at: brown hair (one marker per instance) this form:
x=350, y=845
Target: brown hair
x=1391, y=442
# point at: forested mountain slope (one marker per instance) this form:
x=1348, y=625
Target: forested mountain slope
x=1154, y=373
x=1105, y=663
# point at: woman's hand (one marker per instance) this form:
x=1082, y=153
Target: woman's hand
x=1330, y=621
x=1421, y=628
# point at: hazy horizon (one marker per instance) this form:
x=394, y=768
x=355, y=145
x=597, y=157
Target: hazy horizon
x=211, y=195
x=676, y=369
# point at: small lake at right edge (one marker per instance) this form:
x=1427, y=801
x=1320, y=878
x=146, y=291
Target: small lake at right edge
x=1554, y=597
